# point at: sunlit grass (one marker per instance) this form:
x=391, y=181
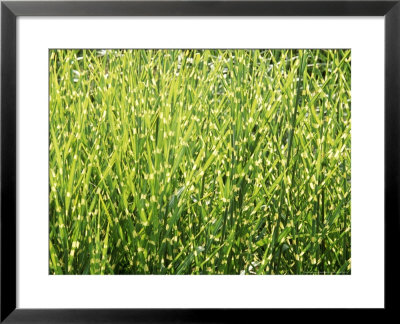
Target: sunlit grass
x=200, y=161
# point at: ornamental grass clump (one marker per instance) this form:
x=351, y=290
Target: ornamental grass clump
x=199, y=161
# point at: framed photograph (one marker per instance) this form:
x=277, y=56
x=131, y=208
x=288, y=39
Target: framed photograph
x=185, y=161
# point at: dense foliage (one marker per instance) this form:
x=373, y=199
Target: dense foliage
x=199, y=161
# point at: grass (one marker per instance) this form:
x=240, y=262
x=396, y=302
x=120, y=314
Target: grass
x=199, y=162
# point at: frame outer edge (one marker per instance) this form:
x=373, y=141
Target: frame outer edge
x=203, y=8
x=392, y=152
x=8, y=163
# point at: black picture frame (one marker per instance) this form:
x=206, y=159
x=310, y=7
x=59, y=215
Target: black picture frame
x=10, y=10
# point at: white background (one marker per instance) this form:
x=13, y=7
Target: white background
x=363, y=288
